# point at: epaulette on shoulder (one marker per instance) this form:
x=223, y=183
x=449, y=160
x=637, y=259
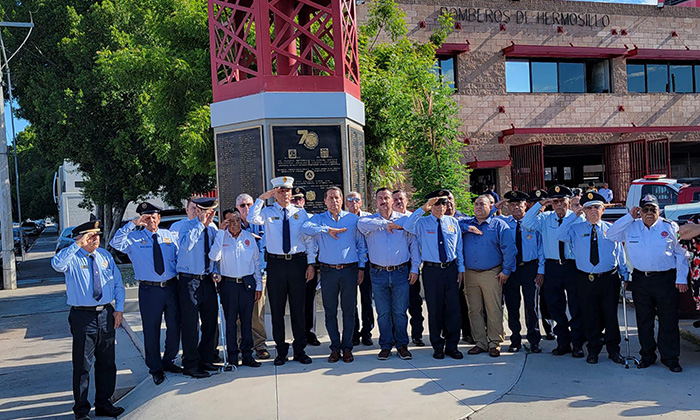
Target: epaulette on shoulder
x=670, y=222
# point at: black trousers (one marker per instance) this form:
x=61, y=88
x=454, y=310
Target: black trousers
x=560, y=291
x=657, y=296
x=310, y=303
x=523, y=278
x=544, y=312
x=366, y=308
x=238, y=303
x=444, y=319
x=286, y=281
x=198, y=301
x=464, y=311
x=415, y=309
x=598, y=300
x=154, y=302
x=93, y=342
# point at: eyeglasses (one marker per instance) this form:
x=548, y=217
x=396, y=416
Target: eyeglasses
x=353, y=199
x=440, y=203
x=649, y=209
x=245, y=204
x=295, y=199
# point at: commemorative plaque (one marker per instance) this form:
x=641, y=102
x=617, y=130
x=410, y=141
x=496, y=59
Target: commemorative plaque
x=312, y=154
x=356, y=146
x=239, y=164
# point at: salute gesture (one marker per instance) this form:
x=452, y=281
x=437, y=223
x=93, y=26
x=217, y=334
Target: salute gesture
x=268, y=194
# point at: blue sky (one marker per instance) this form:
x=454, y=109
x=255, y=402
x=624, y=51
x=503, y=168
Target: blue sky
x=19, y=124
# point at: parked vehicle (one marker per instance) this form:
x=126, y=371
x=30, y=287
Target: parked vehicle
x=31, y=228
x=690, y=190
x=17, y=239
x=66, y=238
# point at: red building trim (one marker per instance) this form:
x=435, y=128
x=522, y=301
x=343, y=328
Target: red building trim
x=487, y=164
x=452, y=49
x=661, y=54
x=535, y=51
x=589, y=130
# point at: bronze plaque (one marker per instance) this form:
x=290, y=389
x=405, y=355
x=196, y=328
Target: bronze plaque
x=239, y=165
x=358, y=174
x=312, y=154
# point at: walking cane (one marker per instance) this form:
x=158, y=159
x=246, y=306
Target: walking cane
x=628, y=357
x=222, y=334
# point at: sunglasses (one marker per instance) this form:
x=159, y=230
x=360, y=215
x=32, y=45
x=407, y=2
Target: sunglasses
x=245, y=204
x=295, y=199
x=440, y=203
x=649, y=209
x=353, y=199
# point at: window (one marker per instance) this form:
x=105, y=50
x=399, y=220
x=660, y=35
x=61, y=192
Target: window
x=445, y=67
x=567, y=173
x=672, y=77
x=552, y=76
x=550, y=174
x=663, y=193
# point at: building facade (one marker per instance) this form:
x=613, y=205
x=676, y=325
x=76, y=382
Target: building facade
x=570, y=92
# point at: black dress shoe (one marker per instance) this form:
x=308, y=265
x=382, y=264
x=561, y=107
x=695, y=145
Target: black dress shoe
x=535, y=348
x=367, y=341
x=196, y=373
x=280, y=360
x=675, y=368
x=303, y=358
x=209, y=367
x=560, y=351
x=111, y=411
x=592, y=359
x=513, y=348
x=173, y=368
x=158, y=378
x=438, y=354
x=550, y=336
x=578, y=354
x=356, y=341
x=418, y=342
x=643, y=364
x=455, y=354
x=250, y=362
x=312, y=340
x=82, y=417
x=262, y=354
x=616, y=358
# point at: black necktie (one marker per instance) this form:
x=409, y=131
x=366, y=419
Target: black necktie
x=96, y=281
x=441, y=243
x=286, y=239
x=206, y=248
x=158, y=263
x=595, y=259
x=562, y=253
x=519, y=243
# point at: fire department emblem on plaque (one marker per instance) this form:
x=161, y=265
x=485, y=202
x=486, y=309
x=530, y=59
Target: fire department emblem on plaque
x=292, y=153
x=309, y=175
x=310, y=195
x=308, y=138
x=324, y=153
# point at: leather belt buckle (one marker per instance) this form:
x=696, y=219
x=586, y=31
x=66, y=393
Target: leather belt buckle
x=99, y=308
x=591, y=277
x=391, y=268
x=287, y=257
x=560, y=262
x=647, y=273
x=445, y=264
x=164, y=284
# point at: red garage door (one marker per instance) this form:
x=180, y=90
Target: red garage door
x=527, y=168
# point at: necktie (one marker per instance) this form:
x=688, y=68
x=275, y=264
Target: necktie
x=441, y=243
x=595, y=259
x=286, y=239
x=562, y=253
x=158, y=263
x=96, y=281
x=519, y=243
x=206, y=248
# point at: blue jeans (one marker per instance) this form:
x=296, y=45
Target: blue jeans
x=344, y=283
x=390, y=289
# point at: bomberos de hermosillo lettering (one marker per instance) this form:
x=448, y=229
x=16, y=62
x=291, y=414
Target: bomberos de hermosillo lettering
x=482, y=15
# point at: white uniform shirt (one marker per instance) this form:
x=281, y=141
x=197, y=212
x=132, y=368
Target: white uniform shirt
x=237, y=257
x=272, y=217
x=651, y=249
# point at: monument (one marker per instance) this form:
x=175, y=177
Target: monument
x=286, y=90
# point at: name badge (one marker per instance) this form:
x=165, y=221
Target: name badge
x=275, y=218
x=84, y=267
x=430, y=232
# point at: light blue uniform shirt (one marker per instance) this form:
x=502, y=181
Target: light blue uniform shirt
x=348, y=248
x=190, y=257
x=546, y=223
x=425, y=229
x=75, y=263
x=494, y=247
x=138, y=245
x=389, y=249
x=578, y=234
x=175, y=227
x=532, y=243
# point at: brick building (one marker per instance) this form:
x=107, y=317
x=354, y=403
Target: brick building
x=570, y=92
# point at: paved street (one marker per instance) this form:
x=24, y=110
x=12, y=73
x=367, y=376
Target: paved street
x=35, y=376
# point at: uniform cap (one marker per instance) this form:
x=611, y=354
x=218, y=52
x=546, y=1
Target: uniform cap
x=649, y=200
x=516, y=196
x=537, y=195
x=299, y=192
x=148, y=208
x=441, y=193
x=282, y=182
x=559, y=191
x=206, y=203
x=87, y=227
x=592, y=198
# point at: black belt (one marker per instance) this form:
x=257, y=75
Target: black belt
x=196, y=276
x=159, y=283
x=338, y=266
x=593, y=276
x=522, y=263
x=439, y=265
x=390, y=267
x=286, y=256
x=232, y=279
x=653, y=273
x=560, y=262
x=481, y=271
x=98, y=308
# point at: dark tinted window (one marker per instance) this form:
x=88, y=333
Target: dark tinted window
x=636, y=79
x=544, y=76
x=681, y=78
x=572, y=77
x=657, y=78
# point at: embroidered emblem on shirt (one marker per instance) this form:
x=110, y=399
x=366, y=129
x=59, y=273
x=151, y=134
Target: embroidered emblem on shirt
x=452, y=229
x=105, y=264
x=664, y=234
x=296, y=216
x=143, y=242
x=247, y=242
x=529, y=237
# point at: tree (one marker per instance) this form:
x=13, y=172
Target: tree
x=411, y=116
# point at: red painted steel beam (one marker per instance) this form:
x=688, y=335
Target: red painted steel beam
x=661, y=54
x=486, y=164
x=536, y=51
x=452, y=49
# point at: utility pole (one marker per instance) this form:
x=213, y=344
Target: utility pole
x=9, y=272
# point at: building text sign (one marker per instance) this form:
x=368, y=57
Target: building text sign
x=527, y=17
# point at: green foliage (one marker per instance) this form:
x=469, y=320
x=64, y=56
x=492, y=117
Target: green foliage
x=411, y=117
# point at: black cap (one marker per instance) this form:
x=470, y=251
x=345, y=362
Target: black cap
x=590, y=198
x=537, y=195
x=299, y=192
x=649, y=200
x=441, y=193
x=559, y=191
x=516, y=196
x=575, y=192
x=206, y=203
x=87, y=227
x=148, y=208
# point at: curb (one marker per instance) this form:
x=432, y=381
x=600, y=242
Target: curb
x=134, y=338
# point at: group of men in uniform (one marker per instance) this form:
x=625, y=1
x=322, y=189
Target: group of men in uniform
x=574, y=257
